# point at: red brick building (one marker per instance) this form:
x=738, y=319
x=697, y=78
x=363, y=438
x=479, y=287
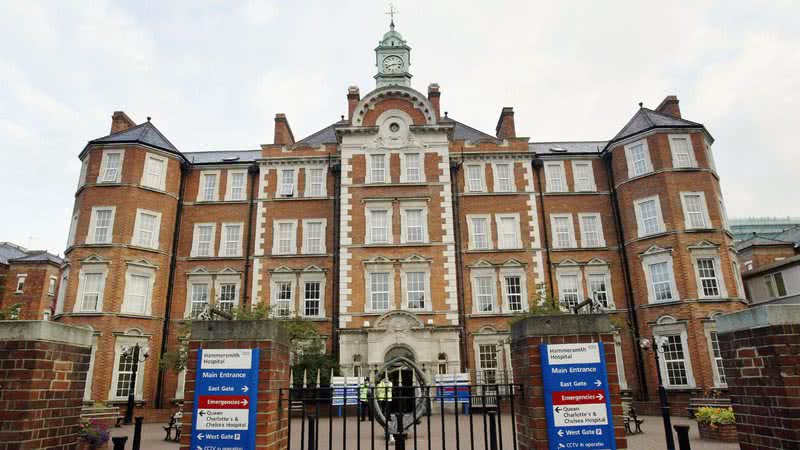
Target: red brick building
x=28, y=278
x=402, y=231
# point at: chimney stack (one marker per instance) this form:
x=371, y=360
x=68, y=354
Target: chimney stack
x=120, y=122
x=669, y=106
x=283, y=132
x=353, y=97
x=433, y=96
x=505, y=125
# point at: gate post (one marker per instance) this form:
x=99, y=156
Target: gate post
x=527, y=335
x=273, y=342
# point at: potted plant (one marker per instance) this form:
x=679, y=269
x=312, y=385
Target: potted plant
x=92, y=435
x=718, y=424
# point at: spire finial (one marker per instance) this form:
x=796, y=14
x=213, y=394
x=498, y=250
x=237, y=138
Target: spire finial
x=641, y=104
x=391, y=13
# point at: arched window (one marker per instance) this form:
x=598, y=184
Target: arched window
x=442, y=364
x=357, y=366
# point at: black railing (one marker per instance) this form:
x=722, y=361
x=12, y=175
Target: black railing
x=444, y=417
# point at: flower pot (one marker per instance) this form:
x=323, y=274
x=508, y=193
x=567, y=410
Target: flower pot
x=724, y=433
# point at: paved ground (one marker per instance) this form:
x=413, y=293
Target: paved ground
x=651, y=439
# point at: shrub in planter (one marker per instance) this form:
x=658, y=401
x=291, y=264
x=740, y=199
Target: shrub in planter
x=93, y=435
x=718, y=424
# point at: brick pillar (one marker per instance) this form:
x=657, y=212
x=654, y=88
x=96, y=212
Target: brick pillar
x=43, y=369
x=526, y=337
x=271, y=338
x=760, y=348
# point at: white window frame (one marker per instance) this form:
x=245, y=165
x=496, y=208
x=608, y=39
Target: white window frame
x=156, y=233
x=601, y=240
x=20, y=286
x=675, y=329
x=714, y=256
x=661, y=257
x=704, y=212
x=201, y=185
x=62, y=291
x=312, y=277
x=604, y=271
x=87, y=269
x=276, y=248
x=306, y=250
x=52, y=285
x=711, y=327
x=737, y=277
x=592, y=187
x=710, y=155
x=512, y=185
x=468, y=181
x=471, y=230
x=141, y=372
x=90, y=236
x=73, y=228
x=498, y=218
x=223, y=240
x=84, y=170
x=283, y=189
x=561, y=274
x=623, y=379
x=506, y=272
x=640, y=221
x=723, y=213
x=374, y=269
x=629, y=158
x=87, y=387
x=572, y=242
x=550, y=178
x=404, y=208
x=425, y=270
x=162, y=182
x=227, y=278
x=773, y=291
x=387, y=174
x=674, y=151
x=148, y=273
x=101, y=176
x=195, y=252
x=381, y=206
x=229, y=197
x=308, y=189
x=404, y=178
x=196, y=280
x=475, y=274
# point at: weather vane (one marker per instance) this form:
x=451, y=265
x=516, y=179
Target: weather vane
x=391, y=13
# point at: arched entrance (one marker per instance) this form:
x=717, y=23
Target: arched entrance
x=402, y=379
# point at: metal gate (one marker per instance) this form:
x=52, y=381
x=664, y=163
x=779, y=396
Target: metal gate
x=468, y=417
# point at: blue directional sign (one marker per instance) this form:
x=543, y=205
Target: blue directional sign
x=225, y=400
x=576, y=397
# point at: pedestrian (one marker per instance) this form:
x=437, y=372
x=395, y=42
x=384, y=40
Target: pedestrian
x=363, y=399
x=384, y=396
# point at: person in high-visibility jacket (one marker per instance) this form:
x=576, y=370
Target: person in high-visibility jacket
x=363, y=399
x=383, y=392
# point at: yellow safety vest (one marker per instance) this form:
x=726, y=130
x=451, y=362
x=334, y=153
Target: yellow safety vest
x=363, y=393
x=385, y=390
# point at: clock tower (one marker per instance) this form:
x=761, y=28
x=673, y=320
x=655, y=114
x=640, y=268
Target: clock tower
x=392, y=57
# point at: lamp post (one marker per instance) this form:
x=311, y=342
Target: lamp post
x=133, y=354
x=645, y=344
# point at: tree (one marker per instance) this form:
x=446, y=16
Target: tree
x=541, y=303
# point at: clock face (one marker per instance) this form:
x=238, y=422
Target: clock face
x=392, y=64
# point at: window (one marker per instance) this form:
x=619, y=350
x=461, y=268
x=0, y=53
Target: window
x=682, y=152
x=716, y=358
x=475, y=174
x=102, y=225
x=514, y=293
x=487, y=358
x=90, y=297
x=312, y=299
x=123, y=366
x=154, y=172
x=51, y=287
x=377, y=168
x=568, y=288
x=591, y=230
x=485, y=294
x=235, y=189
x=563, y=233
x=379, y=291
x=638, y=157
x=598, y=289
x=648, y=216
x=125, y=376
x=146, y=229
x=203, y=240
x=584, y=176
x=287, y=183
x=313, y=236
x=775, y=285
x=503, y=177
x=199, y=299
x=442, y=364
x=20, y=283
x=479, y=232
x=284, y=237
x=84, y=168
x=62, y=291
x=508, y=235
x=554, y=172
x=227, y=296
x=707, y=273
x=282, y=302
x=675, y=361
x=415, y=225
x=357, y=366
x=710, y=155
x=661, y=281
x=415, y=290
x=111, y=167
x=413, y=167
x=724, y=214
x=379, y=226
x=73, y=229
x=232, y=239
x=695, y=212
x=208, y=186
x=137, y=292
x=315, y=182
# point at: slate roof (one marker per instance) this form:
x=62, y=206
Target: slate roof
x=647, y=119
x=326, y=135
x=790, y=235
x=760, y=240
x=10, y=251
x=223, y=156
x=41, y=256
x=467, y=133
x=13, y=253
x=145, y=133
x=556, y=148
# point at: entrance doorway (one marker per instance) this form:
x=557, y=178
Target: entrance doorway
x=402, y=380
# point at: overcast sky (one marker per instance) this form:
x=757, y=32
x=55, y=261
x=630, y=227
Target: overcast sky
x=213, y=74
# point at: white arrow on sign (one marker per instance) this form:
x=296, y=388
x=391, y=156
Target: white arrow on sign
x=200, y=437
x=244, y=402
x=560, y=433
x=245, y=388
x=561, y=446
x=600, y=397
x=598, y=383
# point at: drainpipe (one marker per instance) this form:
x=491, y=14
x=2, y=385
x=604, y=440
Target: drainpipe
x=462, y=330
x=253, y=171
x=537, y=165
x=626, y=276
x=336, y=170
x=171, y=277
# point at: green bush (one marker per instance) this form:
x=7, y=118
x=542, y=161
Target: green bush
x=715, y=416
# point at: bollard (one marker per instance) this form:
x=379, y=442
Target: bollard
x=683, y=437
x=312, y=432
x=399, y=436
x=492, y=430
x=137, y=433
x=119, y=442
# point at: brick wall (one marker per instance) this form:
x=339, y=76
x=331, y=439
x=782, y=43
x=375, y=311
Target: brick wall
x=42, y=373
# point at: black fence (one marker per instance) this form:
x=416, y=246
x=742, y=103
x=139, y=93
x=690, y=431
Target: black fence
x=469, y=417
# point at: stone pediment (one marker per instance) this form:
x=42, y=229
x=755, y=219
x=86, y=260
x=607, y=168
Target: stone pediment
x=94, y=258
x=378, y=259
x=398, y=321
x=654, y=250
x=513, y=263
x=597, y=262
x=567, y=262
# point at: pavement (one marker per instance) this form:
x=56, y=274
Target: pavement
x=344, y=434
